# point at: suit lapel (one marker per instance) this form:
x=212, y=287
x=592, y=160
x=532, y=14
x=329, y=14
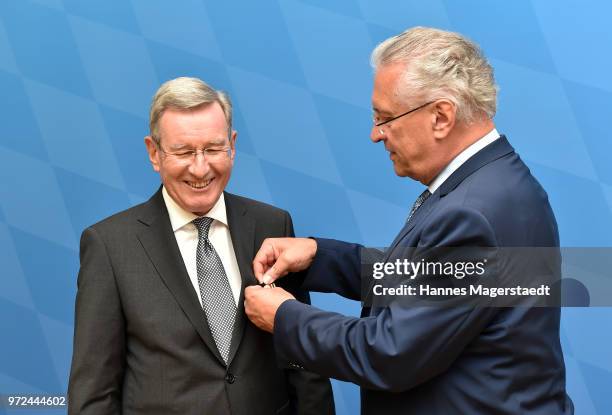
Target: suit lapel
x=493, y=151
x=418, y=216
x=157, y=239
x=242, y=231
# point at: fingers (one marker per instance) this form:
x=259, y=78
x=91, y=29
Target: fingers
x=249, y=296
x=280, y=268
x=264, y=259
x=279, y=256
x=251, y=291
x=270, y=262
x=260, y=306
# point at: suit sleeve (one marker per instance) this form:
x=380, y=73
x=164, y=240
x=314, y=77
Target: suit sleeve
x=397, y=348
x=311, y=393
x=98, y=358
x=335, y=269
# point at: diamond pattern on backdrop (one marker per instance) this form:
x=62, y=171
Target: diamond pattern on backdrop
x=310, y=28
x=119, y=15
x=194, y=34
x=48, y=268
x=362, y=165
x=14, y=288
x=499, y=35
x=248, y=179
x=398, y=16
x=26, y=356
x=574, y=217
x=122, y=78
x=577, y=36
x=80, y=75
x=32, y=201
x=74, y=134
x=7, y=63
x=285, y=130
x=539, y=121
x=126, y=134
x=350, y=9
x=255, y=38
x=44, y=46
x=318, y=207
x=19, y=132
x=590, y=105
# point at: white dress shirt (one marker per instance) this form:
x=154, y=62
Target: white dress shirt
x=462, y=158
x=186, y=235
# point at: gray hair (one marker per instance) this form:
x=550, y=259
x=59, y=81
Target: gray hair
x=185, y=94
x=441, y=64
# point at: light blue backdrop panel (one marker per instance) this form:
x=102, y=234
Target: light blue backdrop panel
x=77, y=78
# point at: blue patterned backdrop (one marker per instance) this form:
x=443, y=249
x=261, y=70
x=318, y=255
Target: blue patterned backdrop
x=76, y=78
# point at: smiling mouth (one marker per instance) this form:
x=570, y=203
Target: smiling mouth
x=200, y=184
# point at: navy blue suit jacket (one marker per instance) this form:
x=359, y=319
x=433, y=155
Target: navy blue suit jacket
x=433, y=360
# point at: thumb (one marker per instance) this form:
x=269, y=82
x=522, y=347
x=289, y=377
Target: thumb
x=279, y=269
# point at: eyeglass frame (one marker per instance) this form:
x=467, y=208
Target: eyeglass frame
x=193, y=153
x=380, y=124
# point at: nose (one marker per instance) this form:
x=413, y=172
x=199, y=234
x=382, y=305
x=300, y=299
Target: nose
x=199, y=165
x=377, y=134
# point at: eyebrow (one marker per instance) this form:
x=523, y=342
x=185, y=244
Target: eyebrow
x=379, y=111
x=217, y=141
x=213, y=142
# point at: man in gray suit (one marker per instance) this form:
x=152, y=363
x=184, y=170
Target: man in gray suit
x=160, y=325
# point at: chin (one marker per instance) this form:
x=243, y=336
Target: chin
x=201, y=209
x=195, y=207
x=400, y=172
x=198, y=202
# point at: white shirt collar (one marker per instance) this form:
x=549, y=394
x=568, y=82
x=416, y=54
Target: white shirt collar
x=462, y=158
x=179, y=217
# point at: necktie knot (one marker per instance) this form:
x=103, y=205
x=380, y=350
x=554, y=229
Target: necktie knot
x=203, y=226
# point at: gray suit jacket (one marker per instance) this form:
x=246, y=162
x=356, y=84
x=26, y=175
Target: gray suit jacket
x=141, y=342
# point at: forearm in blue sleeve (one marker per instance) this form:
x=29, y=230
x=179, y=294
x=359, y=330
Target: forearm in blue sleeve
x=394, y=351
x=336, y=268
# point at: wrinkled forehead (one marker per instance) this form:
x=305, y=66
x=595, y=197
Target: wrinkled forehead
x=202, y=125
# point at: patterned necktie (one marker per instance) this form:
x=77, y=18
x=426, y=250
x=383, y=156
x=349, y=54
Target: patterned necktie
x=217, y=298
x=418, y=202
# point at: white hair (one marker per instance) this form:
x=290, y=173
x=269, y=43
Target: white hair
x=185, y=94
x=441, y=64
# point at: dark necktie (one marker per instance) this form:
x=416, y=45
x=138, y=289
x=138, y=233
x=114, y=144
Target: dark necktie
x=217, y=298
x=418, y=202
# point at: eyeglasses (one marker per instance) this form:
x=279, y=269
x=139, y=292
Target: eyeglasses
x=187, y=156
x=386, y=122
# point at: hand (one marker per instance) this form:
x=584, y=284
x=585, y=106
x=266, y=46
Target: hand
x=261, y=304
x=279, y=256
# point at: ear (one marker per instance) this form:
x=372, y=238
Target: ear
x=444, y=119
x=153, y=151
x=232, y=143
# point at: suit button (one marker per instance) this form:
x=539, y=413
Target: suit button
x=230, y=378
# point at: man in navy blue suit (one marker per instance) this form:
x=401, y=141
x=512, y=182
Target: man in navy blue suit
x=434, y=98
